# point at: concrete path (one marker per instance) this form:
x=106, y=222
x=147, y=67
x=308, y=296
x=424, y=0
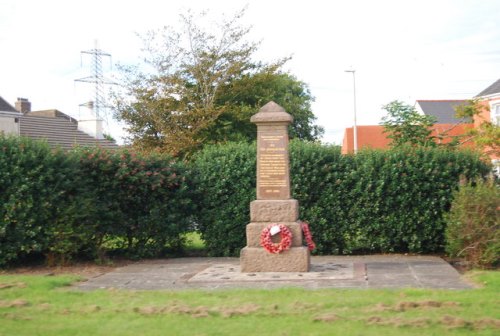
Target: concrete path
x=380, y=271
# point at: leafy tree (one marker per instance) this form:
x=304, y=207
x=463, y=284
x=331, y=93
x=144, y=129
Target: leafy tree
x=486, y=135
x=202, y=87
x=406, y=126
x=247, y=94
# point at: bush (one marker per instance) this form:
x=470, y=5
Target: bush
x=86, y=201
x=225, y=180
x=376, y=201
x=401, y=196
x=473, y=230
x=33, y=180
x=322, y=180
x=90, y=200
x=142, y=202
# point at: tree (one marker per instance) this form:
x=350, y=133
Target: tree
x=486, y=135
x=406, y=126
x=250, y=92
x=201, y=87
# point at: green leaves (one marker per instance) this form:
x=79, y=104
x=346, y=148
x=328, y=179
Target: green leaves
x=202, y=87
x=90, y=200
x=406, y=126
x=376, y=201
x=32, y=180
x=68, y=204
x=225, y=180
x=141, y=199
x=472, y=225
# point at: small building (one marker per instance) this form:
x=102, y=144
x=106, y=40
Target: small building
x=9, y=118
x=53, y=126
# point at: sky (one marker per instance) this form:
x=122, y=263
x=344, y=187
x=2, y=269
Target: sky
x=404, y=50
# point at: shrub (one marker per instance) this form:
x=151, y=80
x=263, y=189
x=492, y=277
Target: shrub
x=33, y=180
x=78, y=203
x=376, y=201
x=322, y=180
x=473, y=230
x=225, y=180
x=402, y=194
x=142, y=201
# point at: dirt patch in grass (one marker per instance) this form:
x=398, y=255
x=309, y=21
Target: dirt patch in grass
x=448, y=321
x=11, y=285
x=408, y=305
x=487, y=323
x=243, y=310
x=12, y=316
x=453, y=322
x=44, y=306
x=305, y=306
x=197, y=312
x=90, y=309
x=14, y=303
x=398, y=321
x=326, y=318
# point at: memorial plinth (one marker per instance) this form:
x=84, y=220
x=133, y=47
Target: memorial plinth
x=273, y=204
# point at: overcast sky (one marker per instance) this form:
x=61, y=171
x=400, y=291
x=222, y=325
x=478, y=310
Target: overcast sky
x=405, y=50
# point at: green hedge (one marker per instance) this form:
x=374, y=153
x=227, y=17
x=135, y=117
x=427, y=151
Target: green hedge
x=401, y=195
x=88, y=201
x=140, y=202
x=225, y=181
x=33, y=180
x=376, y=201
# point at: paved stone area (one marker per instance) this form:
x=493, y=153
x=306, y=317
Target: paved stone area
x=232, y=273
x=379, y=271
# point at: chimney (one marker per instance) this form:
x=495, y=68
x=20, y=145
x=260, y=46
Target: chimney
x=92, y=127
x=93, y=124
x=23, y=105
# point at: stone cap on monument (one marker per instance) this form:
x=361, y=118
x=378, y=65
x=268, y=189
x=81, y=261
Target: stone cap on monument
x=271, y=112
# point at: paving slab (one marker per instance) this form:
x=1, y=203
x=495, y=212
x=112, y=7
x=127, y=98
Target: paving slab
x=376, y=271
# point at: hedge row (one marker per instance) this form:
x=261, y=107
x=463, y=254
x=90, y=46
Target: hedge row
x=82, y=202
x=89, y=201
x=376, y=201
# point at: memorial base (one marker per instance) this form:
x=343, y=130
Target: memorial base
x=257, y=259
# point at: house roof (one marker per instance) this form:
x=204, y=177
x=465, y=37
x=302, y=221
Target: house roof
x=6, y=107
x=53, y=113
x=442, y=110
x=59, y=132
x=492, y=89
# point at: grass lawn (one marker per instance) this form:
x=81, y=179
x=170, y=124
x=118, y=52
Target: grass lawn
x=45, y=305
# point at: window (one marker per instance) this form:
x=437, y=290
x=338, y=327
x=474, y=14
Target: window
x=495, y=114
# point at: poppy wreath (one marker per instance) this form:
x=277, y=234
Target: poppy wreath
x=307, y=235
x=283, y=245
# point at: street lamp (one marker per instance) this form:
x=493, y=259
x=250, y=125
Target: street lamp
x=355, y=128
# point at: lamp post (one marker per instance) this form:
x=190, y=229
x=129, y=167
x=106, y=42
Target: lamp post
x=355, y=128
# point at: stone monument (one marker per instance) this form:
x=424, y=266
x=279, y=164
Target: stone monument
x=274, y=204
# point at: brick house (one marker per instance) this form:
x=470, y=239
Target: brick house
x=444, y=111
x=490, y=97
x=373, y=136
